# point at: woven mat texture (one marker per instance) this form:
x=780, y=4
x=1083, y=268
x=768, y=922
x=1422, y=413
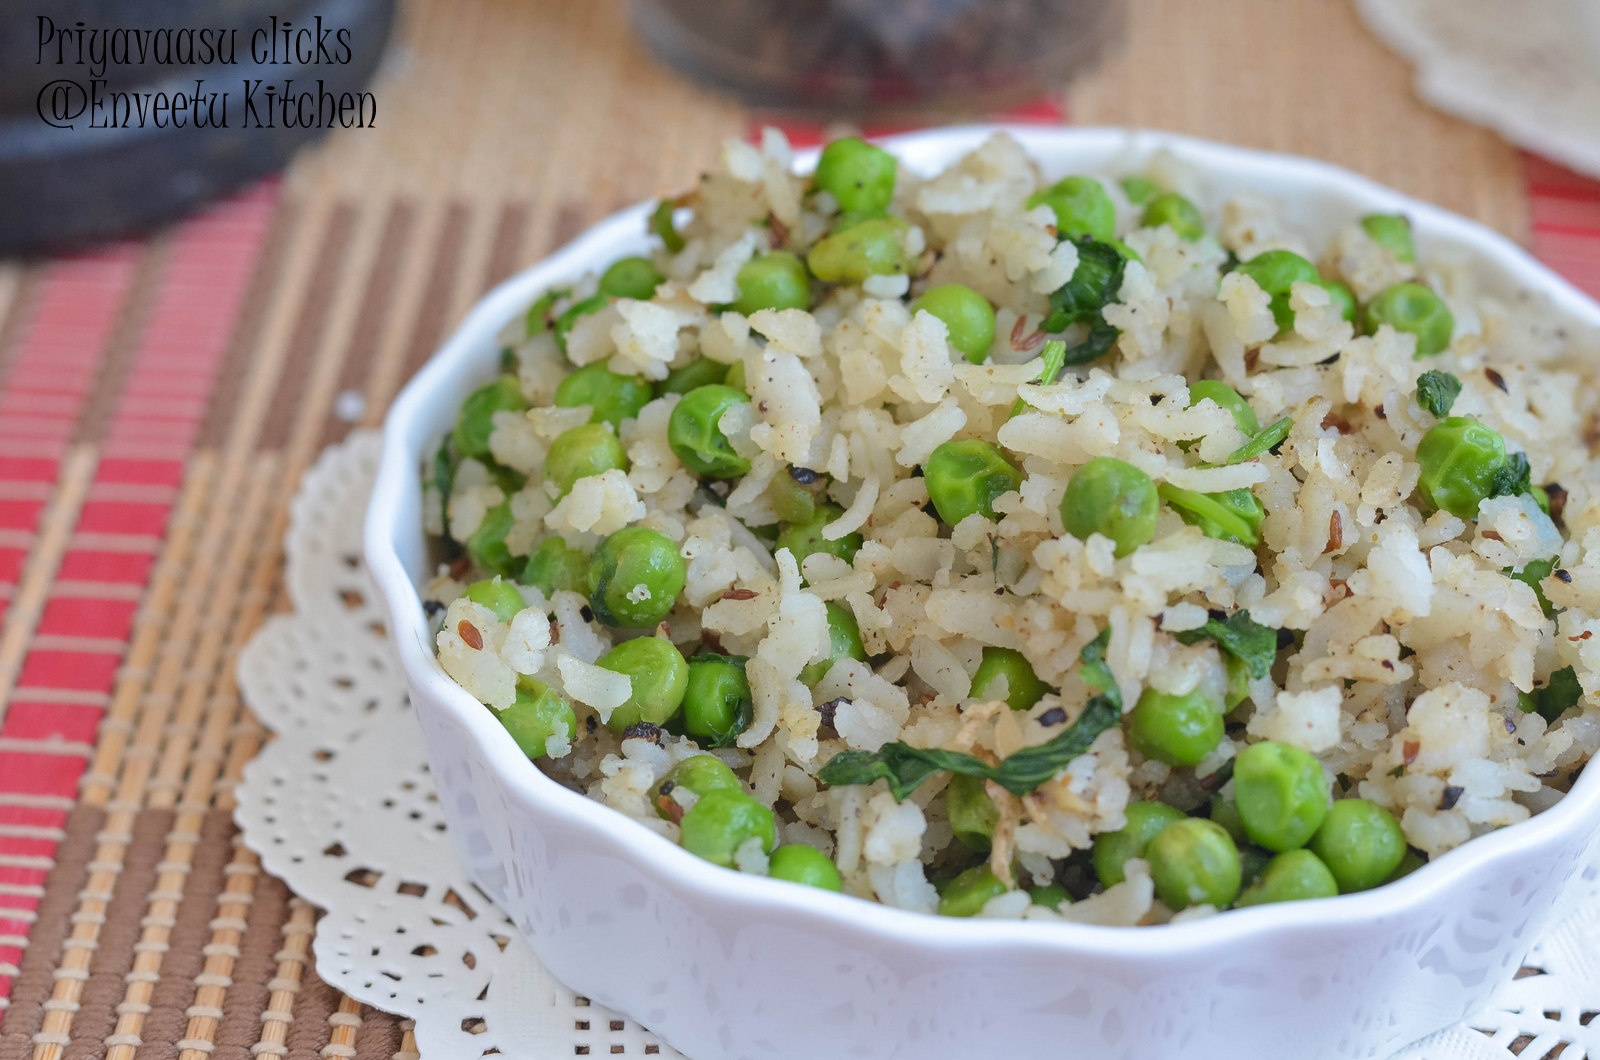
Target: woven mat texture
x=160, y=398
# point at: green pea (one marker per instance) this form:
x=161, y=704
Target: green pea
x=582, y=451
x=868, y=248
x=1177, y=730
x=804, y=539
x=476, y=421
x=659, y=676
x=1113, y=498
x=967, y=315
x=778, y=280
x=1409, y=863
x=735, y=376
x=635, y=576
x=1051, y=896
x=695, y=437
x=1244, y=417
x=1282, y=794
x=858, y=175
x=965, y=478
x=716, y=703
x=538, y=713
x=1081, y=206
x=1541, y=497
x=1176, y=212
x=973, y=814
x=1392, y=232
x=1146, y=820
x=968, y=893
x=1276, y=272
x=553, y=567
x=1361, y=843
x=697, y=773
x=613, y=397
x=563, y=325
x=702, y=371
x=1459, y=458
x=1138, y=189
x=1023, y=687
x=631, y=278
x=498, y=595
x=1290, y=877
x=1224, y=812
x=722, y=821
x=799, y=863
x=1342, y=297
x=1234, y=515
x=487, y=544
x=844, y=642
x=1194, y=861
x=792, y=500
x=1416, y=310
x=538, y=315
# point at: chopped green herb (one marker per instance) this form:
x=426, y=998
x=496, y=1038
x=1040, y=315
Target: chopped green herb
x=1437, y=392
x=1051, y=361
x=1559, y=695
x=906, y=767
x=1398, y=771
x=1082, y=299
x=1511, y=479
x=1533, y=574
x=1267, y=439
x=661, y=225
x=444, y=473
x=1240, y=636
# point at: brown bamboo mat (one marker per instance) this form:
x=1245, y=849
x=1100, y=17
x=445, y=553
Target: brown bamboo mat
x=505, y=127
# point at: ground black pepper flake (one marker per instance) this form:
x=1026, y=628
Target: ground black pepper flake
x=803, y=475
x=1217, y=615
x=1556, y=494
x=1451, y=796
x=1053, y=716
x=1511, y=724
x=431, y=607
x=586, y=613
x=643, y=730
x=1564, y=575
x=590, y=724
x=828, y=710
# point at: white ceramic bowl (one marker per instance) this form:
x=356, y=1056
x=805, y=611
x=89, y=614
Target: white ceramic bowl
x=724, y=965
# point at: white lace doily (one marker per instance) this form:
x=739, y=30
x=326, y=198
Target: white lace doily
x=1529, y=69
x=340, y=807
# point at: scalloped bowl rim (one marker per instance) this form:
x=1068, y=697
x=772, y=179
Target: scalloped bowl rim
x=656, y=855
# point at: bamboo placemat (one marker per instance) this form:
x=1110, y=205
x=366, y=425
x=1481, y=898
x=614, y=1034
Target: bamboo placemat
x=159, y=400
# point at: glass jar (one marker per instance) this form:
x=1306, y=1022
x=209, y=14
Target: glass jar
x=871, y=57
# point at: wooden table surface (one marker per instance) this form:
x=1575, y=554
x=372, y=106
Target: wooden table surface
x=160, y=398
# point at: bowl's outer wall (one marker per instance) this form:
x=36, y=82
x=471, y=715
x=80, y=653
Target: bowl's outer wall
x=757, y=970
